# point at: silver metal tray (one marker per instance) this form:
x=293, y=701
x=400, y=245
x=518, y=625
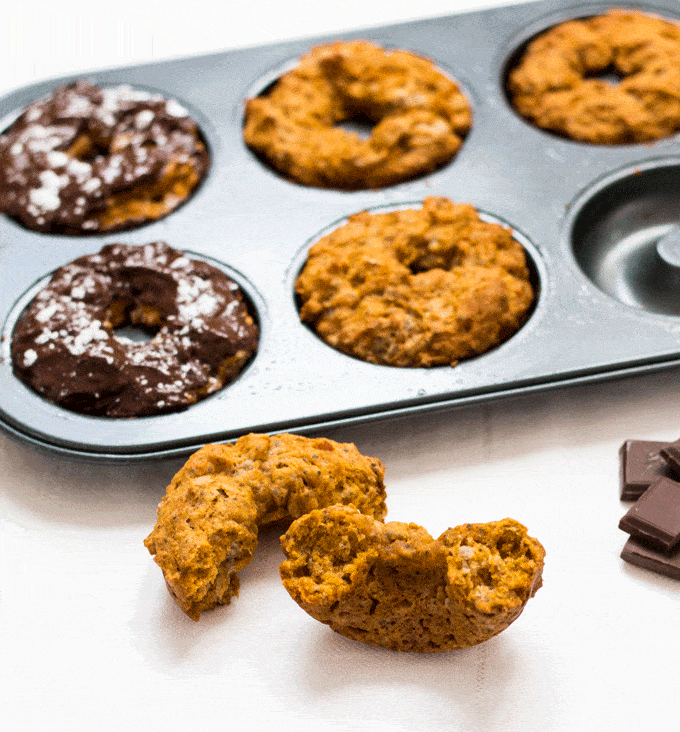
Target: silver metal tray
x=587, y=216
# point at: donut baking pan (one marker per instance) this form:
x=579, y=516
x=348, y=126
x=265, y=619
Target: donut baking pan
x=599, y=225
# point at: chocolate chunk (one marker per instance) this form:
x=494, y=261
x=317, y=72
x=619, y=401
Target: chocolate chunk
x=655, y=516
x=640, y=465
x=671, y=455
x=642, y=555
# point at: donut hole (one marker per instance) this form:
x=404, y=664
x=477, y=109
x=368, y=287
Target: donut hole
x=609, y=74
x=87, y=148
x=431, y=260
x=135, y=334
x=359, y=124
x=134, y=321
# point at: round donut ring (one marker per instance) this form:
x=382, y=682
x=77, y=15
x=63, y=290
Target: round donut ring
x=393, y=585
x=420, y=118
x=413, y=288
x=66, y=348
x=208, y=520
x=88, y=159
x=551, y=84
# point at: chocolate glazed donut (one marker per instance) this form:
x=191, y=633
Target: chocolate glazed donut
x=65, y=345
x=89, y=159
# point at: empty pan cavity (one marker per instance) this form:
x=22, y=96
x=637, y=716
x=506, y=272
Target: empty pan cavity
x=626, y=238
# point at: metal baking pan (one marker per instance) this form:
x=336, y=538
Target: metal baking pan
x=588, y=216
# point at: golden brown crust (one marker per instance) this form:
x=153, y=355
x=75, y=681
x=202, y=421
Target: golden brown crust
x=208, y=521
x=393, y=585
x=421, y=118
x=551, y=86
x=415, y=288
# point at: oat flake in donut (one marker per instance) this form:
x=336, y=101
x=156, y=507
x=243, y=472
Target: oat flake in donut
x=88, y=159
x=65, y=345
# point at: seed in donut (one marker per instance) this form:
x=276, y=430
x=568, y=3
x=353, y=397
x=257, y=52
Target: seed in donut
x=209, y=518
x=91, y=159
x=609, y=79
x=68, y=345
x=393, y=585
x=420, y=118
x=416, y=287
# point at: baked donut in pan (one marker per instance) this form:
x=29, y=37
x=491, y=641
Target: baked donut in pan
x=416, y=287
x=68, y=345
x=90, y=159
x=556, y=83
x=420, y=118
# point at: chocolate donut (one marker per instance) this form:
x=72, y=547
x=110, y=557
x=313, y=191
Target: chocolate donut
x=420, y=118
x=555, y=85
x=66, y=348
x=88, y=159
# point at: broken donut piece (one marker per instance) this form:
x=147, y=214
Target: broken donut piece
x=208, y=521
x=393, y=585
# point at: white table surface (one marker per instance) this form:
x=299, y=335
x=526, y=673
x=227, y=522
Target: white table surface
x=89, y=637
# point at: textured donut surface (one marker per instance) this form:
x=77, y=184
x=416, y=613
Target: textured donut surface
x=555, y=83
x=88, y=159
x=208, y=520
x=416, y=287
x=65, y=344
x=420, y=117
x=393, y=585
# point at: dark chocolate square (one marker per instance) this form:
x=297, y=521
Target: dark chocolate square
x=655, y=516
x=640, y=465
x=670, y=454
x=642, y=555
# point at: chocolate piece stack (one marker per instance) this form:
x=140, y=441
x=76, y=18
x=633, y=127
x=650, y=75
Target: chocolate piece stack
x=650, y=475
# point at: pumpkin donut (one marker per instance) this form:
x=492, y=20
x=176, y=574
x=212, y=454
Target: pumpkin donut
x=208, y=521
x=420, y=118
x=91, y=159
x=393, y=585
x=555, y=84
x=416, y=287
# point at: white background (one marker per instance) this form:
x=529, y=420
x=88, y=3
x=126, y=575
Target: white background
x=89, y=637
